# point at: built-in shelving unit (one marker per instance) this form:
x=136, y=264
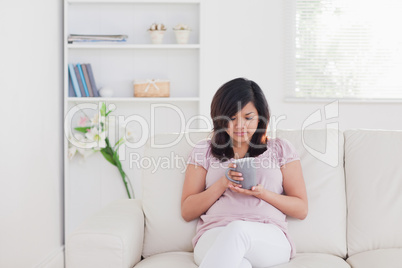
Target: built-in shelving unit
x=92, y=183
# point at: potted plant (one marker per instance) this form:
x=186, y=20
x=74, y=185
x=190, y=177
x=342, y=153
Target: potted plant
x=182, y=32
x=157, y=31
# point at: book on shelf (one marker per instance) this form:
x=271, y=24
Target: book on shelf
x=84, y=84
x=92, y=80
x=71, y=92
x=74, y=80
x=96, y=38
x=84, y=70
x=81, y=81
x=78, y=75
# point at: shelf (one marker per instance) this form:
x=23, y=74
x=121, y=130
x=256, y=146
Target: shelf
x=131, y=99
x=132, y=46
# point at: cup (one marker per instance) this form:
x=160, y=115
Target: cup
x=247, y=168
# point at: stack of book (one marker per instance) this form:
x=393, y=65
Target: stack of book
x=81, y=81
x=96, y=38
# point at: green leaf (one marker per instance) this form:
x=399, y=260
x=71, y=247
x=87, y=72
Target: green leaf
x=109, y=151
x=103, y=109
x=109, y=157
x=107, y=142
x=117, y=160
x=118, y=164
x=118, y=143
x=82, y=129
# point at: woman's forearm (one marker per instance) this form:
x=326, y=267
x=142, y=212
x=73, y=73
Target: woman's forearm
x=197, y=204
x=290, y=205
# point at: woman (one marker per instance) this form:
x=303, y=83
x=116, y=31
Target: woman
x=239, y=227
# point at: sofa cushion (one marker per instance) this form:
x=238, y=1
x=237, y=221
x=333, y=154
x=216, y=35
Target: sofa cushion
x=373, y=161
x=390, y=258
x=112, y=237
x=170, y=259
x=162, y=183
x=321, y=157
x=315, y=260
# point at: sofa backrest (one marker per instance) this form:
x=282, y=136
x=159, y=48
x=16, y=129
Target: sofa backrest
x=165, y=229
x=373, y=168
x=323, y=231
x=321, y=157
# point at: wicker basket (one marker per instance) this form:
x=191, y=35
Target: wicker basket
x=151, y=88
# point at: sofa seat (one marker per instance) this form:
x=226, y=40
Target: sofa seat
x=186, y=260
x=315, y=260
x=390, y=258
x=169, y=259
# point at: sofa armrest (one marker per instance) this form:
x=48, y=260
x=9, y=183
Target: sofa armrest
x=113, y=237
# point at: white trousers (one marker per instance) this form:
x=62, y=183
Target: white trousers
x=242, y=244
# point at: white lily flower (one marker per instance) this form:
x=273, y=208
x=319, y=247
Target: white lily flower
x=79, y=137
x=95, y=120
x=94, y=135
x=83, y=121
x=79, y=141
x=83, y=146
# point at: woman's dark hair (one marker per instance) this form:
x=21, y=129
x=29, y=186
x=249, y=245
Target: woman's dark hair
x=230, y=98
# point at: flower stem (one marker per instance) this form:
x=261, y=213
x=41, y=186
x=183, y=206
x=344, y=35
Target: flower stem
x=128, y=192
x=131, y=186
x=123, y=176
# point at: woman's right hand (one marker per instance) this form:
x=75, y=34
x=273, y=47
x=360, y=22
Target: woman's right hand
x=233, y=175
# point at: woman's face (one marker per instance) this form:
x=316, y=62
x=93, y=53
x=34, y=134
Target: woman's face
x=243, y=125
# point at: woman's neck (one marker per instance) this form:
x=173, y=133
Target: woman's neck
x=240, y=150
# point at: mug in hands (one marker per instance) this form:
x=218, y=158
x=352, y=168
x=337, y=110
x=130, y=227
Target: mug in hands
x=246, y=167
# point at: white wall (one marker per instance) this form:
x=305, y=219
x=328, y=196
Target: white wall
x=252, y=46
x=31, y=195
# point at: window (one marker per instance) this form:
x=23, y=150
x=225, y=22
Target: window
x=344, y=49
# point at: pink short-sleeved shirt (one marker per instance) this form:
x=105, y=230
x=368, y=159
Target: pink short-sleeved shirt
x=234, y=206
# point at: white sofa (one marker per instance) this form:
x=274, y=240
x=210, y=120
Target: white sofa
x=354, y=186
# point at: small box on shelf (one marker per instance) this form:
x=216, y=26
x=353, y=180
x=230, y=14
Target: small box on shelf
x=151, y=88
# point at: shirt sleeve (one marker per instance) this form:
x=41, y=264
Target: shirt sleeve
x=199, y=156
x=286, y=152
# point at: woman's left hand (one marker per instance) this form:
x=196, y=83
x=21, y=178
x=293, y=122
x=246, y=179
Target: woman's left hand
x=256, y=191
